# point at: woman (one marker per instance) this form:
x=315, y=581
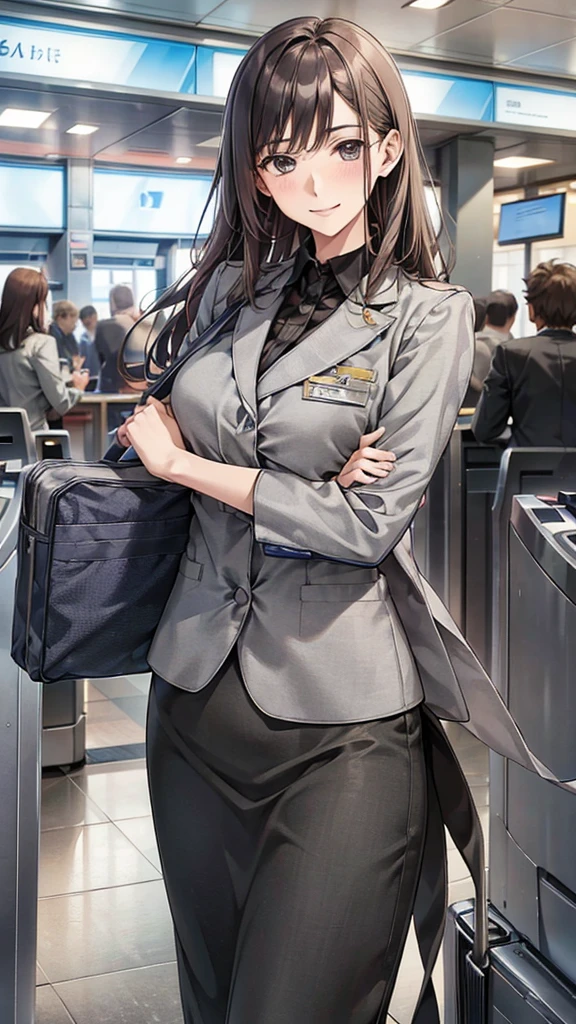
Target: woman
x=285, y=735
x=30, y=376
x=295, y=771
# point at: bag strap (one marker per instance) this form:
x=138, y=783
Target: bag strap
x=162, y=387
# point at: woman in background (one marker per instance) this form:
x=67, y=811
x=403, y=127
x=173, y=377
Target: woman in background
x=30, y=376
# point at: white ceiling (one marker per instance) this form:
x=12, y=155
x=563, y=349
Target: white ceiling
x=537, y=35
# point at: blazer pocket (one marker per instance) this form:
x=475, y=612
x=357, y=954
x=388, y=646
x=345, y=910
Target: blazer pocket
x=343, y=612
x=347, y=593
x=191, y=570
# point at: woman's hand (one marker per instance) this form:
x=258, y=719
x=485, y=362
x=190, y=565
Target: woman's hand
x=80, y=379
x=155, y=436
x=169, y=420
x=367, y=464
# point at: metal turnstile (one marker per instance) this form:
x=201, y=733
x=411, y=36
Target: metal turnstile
x=452, y=534
x=540, y=471
x=460, y=533
x=20, y=728
x=533, y=822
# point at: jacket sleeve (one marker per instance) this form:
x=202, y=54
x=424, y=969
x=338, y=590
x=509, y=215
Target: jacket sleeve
x=494, y=407
x=481, y=365
x=428, y=381
x=45, y=362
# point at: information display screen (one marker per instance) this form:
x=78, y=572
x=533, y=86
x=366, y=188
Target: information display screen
x=129, y=202
x=530, y=219
x=31, y=197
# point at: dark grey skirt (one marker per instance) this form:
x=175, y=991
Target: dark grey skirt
x=292, y=855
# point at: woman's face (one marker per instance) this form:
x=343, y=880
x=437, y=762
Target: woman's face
x=325, y=189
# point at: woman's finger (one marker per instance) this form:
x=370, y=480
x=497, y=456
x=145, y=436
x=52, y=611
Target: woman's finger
x=360, y=477
x=376, y=468
x=374, y=455
x=355, y=476
x=367, y=439
x=377, y=454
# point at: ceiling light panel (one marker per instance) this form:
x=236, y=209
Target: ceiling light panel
x=82, y=129
x=519, y=162
x=14, y=118
x=212, y=143
x=428, y=5
x=183, y=159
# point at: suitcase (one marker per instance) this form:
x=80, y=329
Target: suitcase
x=518, y=986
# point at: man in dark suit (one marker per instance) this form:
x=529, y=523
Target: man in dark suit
x=109, y=337
x=533, y=380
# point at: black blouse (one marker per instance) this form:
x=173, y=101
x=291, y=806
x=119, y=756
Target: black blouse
x=313, y=292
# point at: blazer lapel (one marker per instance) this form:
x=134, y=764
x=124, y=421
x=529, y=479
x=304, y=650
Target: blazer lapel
x=346, y=331
x=252, y=329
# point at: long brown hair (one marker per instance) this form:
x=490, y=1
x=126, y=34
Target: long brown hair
x=288, y=79
x=23, y=290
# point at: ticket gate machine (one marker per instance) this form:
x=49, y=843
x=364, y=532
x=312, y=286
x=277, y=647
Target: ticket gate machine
x=451, y=533
x=533, y=822
x=20, y=732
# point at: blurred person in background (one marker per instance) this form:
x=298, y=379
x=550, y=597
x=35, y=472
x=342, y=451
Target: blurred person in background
x=501, y=310
x=64, y=320
x=30, y=376
x=86, y=346
x=109, y=337
x=533, y=380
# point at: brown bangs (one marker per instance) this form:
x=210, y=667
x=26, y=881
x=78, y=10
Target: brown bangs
x=295, y=100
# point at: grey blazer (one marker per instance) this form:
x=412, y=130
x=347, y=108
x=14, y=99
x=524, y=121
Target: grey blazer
x=354, y=633
x=30, y=379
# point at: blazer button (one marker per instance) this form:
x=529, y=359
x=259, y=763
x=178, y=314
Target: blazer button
x=241, y=597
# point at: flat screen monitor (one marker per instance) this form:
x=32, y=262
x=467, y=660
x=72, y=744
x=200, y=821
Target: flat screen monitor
x=530, y=219
x=144, y=203
x=31, y=196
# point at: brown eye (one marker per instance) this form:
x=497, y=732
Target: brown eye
x=279, y=164
x=351, y=150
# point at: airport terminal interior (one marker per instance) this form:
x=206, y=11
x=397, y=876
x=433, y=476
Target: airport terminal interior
x=110, y=126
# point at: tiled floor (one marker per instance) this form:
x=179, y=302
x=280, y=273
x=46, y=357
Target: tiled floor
x=105, y=944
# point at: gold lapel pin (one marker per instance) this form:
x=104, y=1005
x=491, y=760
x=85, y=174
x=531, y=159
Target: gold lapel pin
x=367, y=317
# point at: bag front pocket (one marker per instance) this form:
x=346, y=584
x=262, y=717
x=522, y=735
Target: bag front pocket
x=101, y=614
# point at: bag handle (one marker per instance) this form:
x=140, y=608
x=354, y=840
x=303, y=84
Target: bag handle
x=162, y=387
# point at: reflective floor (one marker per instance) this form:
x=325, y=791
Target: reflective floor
x=105, y=945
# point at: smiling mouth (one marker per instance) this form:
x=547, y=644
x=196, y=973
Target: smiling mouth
x=328, y=209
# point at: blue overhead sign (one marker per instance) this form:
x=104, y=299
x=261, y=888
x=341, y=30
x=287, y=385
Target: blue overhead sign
x=150, y=64
x=115, y=58
x=102, y=58
x=470, y=99
x=537, y=108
